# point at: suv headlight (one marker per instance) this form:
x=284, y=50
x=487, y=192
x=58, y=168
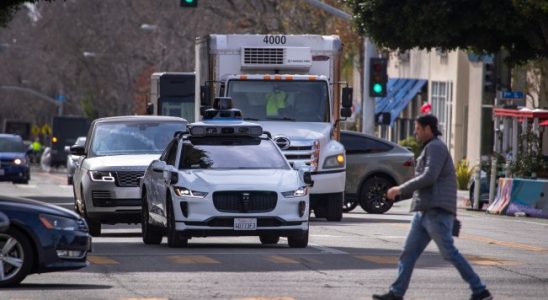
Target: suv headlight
x=58, y=223
x=19, y=161
x=101, y=176
x=184, y=192
x=300, y=192
x=335, y=161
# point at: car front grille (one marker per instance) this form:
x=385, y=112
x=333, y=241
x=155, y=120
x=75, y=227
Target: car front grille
x=128, y=178
x=6, y=163
x=105, y=199
x=245, y=201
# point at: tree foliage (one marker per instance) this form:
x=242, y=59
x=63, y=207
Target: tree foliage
x=518, y=26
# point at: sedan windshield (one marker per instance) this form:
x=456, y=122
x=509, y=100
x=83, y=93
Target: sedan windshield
x=133, y=138
x=231, y=153
x=11, y=145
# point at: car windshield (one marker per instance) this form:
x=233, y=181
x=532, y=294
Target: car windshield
x=11, y=145
x=133, y=137
x=231, y=153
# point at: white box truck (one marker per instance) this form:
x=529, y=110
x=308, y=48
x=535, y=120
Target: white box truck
x=289, y=84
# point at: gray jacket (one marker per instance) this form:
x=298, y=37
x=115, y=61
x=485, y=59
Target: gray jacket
x=435, y=182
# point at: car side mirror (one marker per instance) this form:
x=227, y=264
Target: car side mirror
x=4, y=222
x=67, y=149
x=171, y=174
x=306, y=175
x=158, y=166
x=77, y=150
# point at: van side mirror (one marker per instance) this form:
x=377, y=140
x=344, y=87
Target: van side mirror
x=77, y=150
x=205, y=95
x=346, y=112
x=347, y=97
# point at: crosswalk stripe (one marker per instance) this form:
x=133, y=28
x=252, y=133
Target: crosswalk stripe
x=192, y=259
x=383, y=260
x=101, y=260
x=281, y=260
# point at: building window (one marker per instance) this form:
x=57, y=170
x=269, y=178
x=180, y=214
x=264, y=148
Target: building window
x=442, y=107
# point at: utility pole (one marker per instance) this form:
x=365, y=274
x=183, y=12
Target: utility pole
x=369, y=51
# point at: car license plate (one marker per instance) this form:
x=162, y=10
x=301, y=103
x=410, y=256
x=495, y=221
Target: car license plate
x=245, y=224
x=2, y=172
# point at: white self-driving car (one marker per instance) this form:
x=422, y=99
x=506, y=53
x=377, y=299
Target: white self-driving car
x=224, y=177
x=112, y=161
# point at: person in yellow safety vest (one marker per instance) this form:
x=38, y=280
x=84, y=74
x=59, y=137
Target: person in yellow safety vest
x=36, y=147
x=275, y=100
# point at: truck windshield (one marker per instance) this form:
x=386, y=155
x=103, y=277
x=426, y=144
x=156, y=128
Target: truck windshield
x=288, y=100
x=182, y=107
x=133, y=137
x=231, y=153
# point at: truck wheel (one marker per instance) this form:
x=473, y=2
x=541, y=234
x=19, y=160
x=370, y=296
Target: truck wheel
x=17, y=257
x=373, y=195
x=173, y=239
x=335, y=207
x=269, y=239
x=298, y=241
x=152, y=235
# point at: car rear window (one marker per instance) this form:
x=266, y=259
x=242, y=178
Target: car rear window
x=362, y=144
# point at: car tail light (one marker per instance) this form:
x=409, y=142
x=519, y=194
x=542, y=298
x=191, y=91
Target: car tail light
x=409, y=163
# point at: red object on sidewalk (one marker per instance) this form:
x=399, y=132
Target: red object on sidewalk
x=426, y=108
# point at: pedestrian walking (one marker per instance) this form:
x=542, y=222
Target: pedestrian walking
x=434, y=205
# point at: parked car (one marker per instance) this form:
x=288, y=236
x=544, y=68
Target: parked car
x=72, y=160
x=40, y=238
x=373, y=165
x=14, y=159
x=119, y=149
x=225, y=179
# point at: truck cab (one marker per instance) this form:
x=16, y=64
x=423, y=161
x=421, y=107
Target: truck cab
x=289, y=84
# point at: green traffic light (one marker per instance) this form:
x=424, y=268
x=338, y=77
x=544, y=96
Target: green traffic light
x=377, y=88
x=189, y=1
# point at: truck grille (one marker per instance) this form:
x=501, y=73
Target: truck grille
x=263, y=56
x=304, y=151
x=245, y=201
x=128, y=178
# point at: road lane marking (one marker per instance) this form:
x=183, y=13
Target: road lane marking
x=327, y=250
x=489, y=261
x=140, y=298
x=192, y=259
x=101, y=260
x=379, y=259
x=265, y=298
x=26, y=186
x=281, y=260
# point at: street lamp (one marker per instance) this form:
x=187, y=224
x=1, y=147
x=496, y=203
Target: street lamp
x=89, y=54
x=149, y=27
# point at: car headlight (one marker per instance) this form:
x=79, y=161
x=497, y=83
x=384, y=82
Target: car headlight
x=184, y=192
x=300, y=192
x=19, y=161
x=335, y=161
x=58, y=223
x=101, y=176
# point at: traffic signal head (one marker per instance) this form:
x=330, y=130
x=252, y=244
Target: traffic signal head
x=189, y=3
x=377, y=77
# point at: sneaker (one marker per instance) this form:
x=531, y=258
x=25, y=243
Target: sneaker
x=484, y=295
x=387, y=296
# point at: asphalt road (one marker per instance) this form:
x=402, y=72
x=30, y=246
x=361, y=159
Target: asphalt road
x=348, y=260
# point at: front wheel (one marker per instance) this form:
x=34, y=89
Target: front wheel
x=173, y=239
x=152, y=235
x=17, y=257
x=298, y=241
x=373, y=195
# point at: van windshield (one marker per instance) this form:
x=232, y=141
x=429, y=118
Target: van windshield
x=8, y=144
x=275, y=100
x=132, y=137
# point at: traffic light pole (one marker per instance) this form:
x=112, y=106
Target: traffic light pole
x=368, y=103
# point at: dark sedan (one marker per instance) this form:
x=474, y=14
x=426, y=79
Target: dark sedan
x=40, y=238
x=14, y=159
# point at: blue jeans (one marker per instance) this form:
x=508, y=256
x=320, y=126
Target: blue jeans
x=437, y=225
